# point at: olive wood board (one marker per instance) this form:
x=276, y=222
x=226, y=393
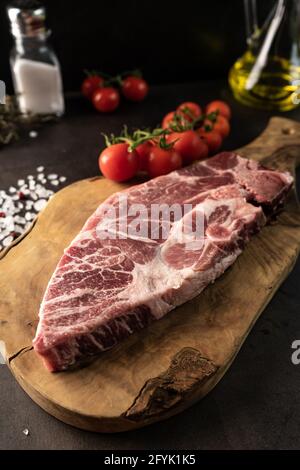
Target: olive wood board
x=173, y=363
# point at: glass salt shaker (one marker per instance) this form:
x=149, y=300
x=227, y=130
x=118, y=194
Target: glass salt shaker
x=34, y=65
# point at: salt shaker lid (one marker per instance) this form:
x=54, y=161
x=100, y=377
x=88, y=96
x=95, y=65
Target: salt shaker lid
x=27, y=17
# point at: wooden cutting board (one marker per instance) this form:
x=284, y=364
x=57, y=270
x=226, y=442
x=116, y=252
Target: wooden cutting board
x=177, y=360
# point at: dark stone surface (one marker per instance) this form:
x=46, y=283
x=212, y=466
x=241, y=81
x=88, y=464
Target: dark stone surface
x=256, y=404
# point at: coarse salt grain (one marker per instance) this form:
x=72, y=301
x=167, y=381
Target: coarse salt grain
x=20, y=220
x=3, y=234
x=42, y=193
x=17, y=216
x=29, y=216
x=7, y=241
x=8, y=222
x=8, y=206
x=40, y=204
x=52, y=176
x=29, y=205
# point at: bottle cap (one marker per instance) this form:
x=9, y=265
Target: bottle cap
x=27, y=18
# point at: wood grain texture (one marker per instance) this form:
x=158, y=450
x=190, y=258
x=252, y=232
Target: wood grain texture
x=160, y=371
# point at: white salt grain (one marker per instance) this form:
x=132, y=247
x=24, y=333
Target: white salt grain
x=29, y=216
x=40, y=204
x=29, y=205
x=3, y=234
x=7, y=241
x=52, y=176
x=33, y=134
x=8, y=206
x=26, y=432
x=21, y=204
x=20, y=220
x=9, y=223
x=42, y=193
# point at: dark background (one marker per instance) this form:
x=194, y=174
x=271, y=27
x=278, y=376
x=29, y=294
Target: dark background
x=170, y=41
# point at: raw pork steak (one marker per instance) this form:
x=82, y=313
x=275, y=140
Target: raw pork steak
x=105, y=289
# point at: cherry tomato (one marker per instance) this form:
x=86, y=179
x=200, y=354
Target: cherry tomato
x=191, y=108
x=106, y=99
x=167, y=119
x=212, y=138
x=143, y=151
x=117, y=163
x=222, y=126
x=135, y=88
x=221, y=106
x=90, y=85
x=170, y=119
x=207, y=126
x=162, y=161
x=189, y=145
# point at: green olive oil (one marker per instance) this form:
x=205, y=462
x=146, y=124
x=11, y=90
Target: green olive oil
x=275, y=87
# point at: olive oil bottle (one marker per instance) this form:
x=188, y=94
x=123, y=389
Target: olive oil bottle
x=268, y=74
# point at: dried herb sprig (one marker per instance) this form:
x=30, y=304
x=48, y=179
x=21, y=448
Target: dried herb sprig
x=12, y=121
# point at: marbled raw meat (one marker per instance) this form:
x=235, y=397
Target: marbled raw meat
x=104, y=290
